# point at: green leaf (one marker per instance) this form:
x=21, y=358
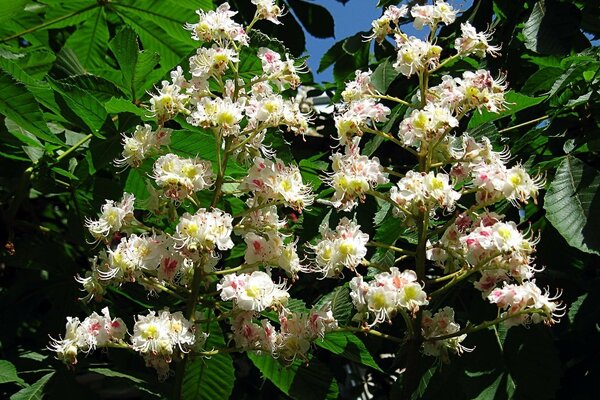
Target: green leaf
x=33, y=392
x=18, y=104
x=298, y=380
x=341, y=304
x=542, y=80
x=316, y=19
x=135, y=64
x=119, y=105
x=136, y=184
x=10, y=8
x=552, y=27
x=332, y=55
x=571, y=204
x=516, y=102
x=86, y=95
x=575, y=306
x=8, y=373
x=383, y=76
x=347, y=345
x=90, y=41
x=210, y=378
x=159, y=26
x=423, y=383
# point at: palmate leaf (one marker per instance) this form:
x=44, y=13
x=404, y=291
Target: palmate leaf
x=347, y=345
x=298, y=380
x=135, y=65
x=89, y=42
x=210, y=378
x=572, y=204
x=33, y=392
x=19, y=104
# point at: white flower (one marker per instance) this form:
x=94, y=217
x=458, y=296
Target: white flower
x=344, y=247
x=205, y=231
x=431, y=15
x=441, y=324
x=143, y=143
x=113, y=217
x=473, y=42
x=171, y=98
x=212, y=61
x=353, y=175
x=415, y=55
x=426, y=125
x=274, y=181
x=267, y=9
x=218, y=26
x=223, y=115
x=252, y=292
x=181, y=177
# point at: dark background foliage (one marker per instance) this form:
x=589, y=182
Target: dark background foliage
x=71, y=76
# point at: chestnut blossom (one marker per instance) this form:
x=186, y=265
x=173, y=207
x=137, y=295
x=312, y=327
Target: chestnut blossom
x=415, y=55
x=171, y=99
x=432, y=15
x=381, y=27
x=181, y=177
x=113, y=217
x=204, y=231
x=141, y=144
x=440, y=324
x=359, y=88
x=526, y=303
x=222, y=115
x=252, y=292
x=270, y=250
x=416, y=190
x=218, y=26
x=157, y=336
x=343, y=248
x=357, y=116
x=426, y=125
x=267, y=9
x=85, y=336
x=473, y=42
x=279, y=72
x=212, y=61
x=386, y=294
x=277, y=182
x=353, y=175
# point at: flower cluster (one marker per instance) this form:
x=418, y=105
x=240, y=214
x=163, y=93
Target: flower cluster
x=204, y=231
x=85, y=336
x=157, y=336
x=526, y=303
x=181, y=177
x=273, y=181
x=441, y=324
x=143, y=143
x=418, y=191
x=386, y=294
x=298, y=330
x=113, y=218
x=489, y=175
x=343, y=248
x=253, y=292
x=353, y=175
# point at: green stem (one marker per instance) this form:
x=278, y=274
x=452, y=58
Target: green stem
x=533, y=121
x=391, y=98
x=74, y=147
x=389, y=247
x=372, y=332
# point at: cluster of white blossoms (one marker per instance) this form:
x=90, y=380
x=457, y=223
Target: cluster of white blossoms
x=114, y=217
x=298, y=330
x=386, y=294
x=501, y=254
x=428, y=124
x=417, y=191
x=143, y=143
x=358, y=115
x=274, y=182
x=518, y=302
x=492, y=179
x=204, y=231
x=344, y=247
x=181, y=177
x=253, y=292
x=87, y=335
x=157, y=336
x=353, y=175
x=440, y=324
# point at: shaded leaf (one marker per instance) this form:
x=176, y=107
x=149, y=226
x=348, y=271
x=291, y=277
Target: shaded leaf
x=33, y=392
x=347, y=345
x=572, y=204
x=8, y=373
x=315, y=18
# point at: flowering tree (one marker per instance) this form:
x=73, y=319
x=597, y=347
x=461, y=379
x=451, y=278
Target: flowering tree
x=217, y=226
